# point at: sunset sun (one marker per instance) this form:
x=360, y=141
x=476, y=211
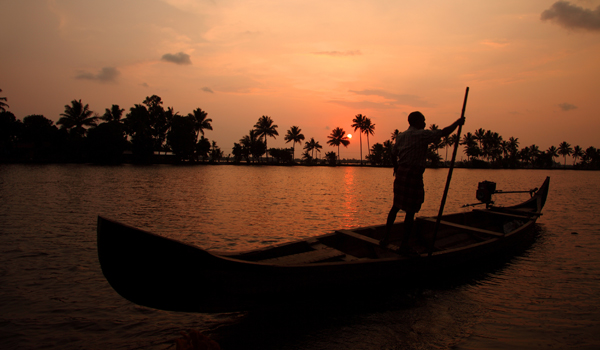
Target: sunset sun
x=349, y=136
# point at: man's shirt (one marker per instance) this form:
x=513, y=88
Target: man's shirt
x=411, y=146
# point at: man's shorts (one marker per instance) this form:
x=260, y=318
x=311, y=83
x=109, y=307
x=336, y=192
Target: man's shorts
x=409, y=191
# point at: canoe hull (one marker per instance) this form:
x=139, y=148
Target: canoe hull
x=165, y=274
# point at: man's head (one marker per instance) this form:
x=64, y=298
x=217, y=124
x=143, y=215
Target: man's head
x=416, y=119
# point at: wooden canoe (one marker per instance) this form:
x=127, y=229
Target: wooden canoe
x=166, y=274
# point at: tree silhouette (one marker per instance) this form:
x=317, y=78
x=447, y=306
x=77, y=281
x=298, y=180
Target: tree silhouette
x=377, y=154
x=306, y=157
x=395, y=135
x=331, y=158
x=203, y=148
x=492, y=145
x=113, y=114
x=41, y=137
x=312, y=146
x=237, y=152
x=181, y=138
x=252, y=145
x=10, y=131
x=471, y=148
x=552, y=153
x=76, y=117
x=338, y=137
x=369, y=129
x=359, y=124
x=479, y=135
x=215, y=153
x=201, y=122
x=317, y=148
x=437, y=145
x=107, y=142
x=3, y=105
x=139, y=125
x=160, y=120
x=513, y=146
x=294, y=135
x=265, y=127
x=564, y=149
x=450, y=142
x=534, y=153
x=577, y=153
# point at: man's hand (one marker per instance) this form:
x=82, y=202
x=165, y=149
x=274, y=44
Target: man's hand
x=460, y=121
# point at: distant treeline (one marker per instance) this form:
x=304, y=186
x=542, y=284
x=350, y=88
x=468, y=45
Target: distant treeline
x=149, y=133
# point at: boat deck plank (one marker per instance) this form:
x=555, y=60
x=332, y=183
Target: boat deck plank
x=368, y=239
x=499, y=213
x=466, y=228
x=309, y=257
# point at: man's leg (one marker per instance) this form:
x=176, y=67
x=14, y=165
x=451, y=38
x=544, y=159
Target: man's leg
x=389, y=224
x=409, y=220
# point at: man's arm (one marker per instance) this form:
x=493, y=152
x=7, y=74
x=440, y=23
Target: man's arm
x=450, y=128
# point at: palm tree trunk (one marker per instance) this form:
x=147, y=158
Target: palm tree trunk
x=266, y=150
x=360, y=138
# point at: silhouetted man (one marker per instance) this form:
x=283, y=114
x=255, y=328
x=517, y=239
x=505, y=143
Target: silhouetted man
x=408, y=156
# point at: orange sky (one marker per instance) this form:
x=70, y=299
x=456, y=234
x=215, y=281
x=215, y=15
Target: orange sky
x=532, y=66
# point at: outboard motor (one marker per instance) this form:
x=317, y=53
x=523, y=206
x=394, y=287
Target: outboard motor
x=485, y=189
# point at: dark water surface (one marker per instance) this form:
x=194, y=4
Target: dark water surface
x=53, y=294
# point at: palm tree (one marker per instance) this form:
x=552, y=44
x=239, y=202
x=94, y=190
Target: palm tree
x=309, y=146
x=470, y=143
x=317, y=147
x=577, y=153
x=77, y=116
x=359, y=124
x=438, y=145
x=395, y=135
x=449, y=141
x=564, y=149
x=525, y=155
x=252, y=145
x=338, y=137
x=312, y=146
x=534, y=153
x=492, y=145
x=513, y=146
x=264, y=127
x=552, y=152
x=113, y=114
x=369, y=129
x=294, y=135
x=3, y=105
x=479, y=136
x=201, y=122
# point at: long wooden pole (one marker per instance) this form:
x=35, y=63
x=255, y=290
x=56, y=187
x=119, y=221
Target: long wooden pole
x=441, y=211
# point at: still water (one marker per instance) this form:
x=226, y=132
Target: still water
x=53, y=294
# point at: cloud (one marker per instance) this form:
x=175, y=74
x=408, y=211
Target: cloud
x=106, y=74
x=573, y=17
x=207, y=89
x=178, y=58
x=339, y=53
x=396, y=99
x=567, y=107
